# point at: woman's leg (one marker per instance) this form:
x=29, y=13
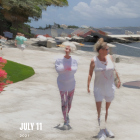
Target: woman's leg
x=98, y=106
x=64, y=102
x=107, y=107
x=70, y=97
x=108, y=133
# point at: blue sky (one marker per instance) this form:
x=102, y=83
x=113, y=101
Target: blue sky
x=95, y=13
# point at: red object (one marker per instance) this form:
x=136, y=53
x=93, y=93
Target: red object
x=43, y=35
x=36, y=35
x=102, y=33
x=3, y=75
x=88, y=33
x=47, y=35
x=69, y=35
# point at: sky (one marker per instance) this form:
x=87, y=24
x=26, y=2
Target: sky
x=95, y=13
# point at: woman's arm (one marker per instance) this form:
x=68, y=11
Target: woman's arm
x=92, y=65
x=15, y=42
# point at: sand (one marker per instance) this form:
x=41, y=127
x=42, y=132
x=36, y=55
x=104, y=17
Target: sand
x=37, y=100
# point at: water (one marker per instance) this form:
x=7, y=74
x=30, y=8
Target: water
x=121, y=30
x=120, y=49
x=88, y=46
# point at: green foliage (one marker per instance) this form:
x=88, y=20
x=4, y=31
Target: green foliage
x=40, y=27
x=23, y=32
x=1, y=16
x=27, y=25
x=18, y=72
x=12, y=29
x=21, y=10
x=72, y=26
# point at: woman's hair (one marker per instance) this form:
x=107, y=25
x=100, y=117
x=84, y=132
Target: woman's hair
x=98, y=43
x=102, y=46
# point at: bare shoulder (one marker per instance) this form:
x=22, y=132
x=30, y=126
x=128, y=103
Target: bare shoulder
x=92, y=62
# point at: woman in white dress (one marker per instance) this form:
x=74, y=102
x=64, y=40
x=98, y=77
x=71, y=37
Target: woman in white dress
x=104, y=87
x=66, y=67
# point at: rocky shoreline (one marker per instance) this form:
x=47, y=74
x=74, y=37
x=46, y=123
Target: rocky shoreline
x=125, y=39
x=32, y=44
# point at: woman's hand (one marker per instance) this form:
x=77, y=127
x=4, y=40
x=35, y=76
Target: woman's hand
x=119, y=84
x=88, y=90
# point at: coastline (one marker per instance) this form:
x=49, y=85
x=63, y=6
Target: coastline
x=33, y=45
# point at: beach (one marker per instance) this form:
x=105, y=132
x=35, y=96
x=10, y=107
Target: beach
x=37, y=99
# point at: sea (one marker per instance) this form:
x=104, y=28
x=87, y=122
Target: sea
x=132, y=49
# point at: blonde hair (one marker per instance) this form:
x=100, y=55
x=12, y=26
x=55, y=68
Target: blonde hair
x=98, y=43
x=102, y=46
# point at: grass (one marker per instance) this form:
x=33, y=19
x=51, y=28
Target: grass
x=18, y=72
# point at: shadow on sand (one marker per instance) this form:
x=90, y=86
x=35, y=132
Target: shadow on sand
x=94, y=137
x=60, y=127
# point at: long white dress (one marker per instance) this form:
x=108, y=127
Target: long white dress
x=66, y=68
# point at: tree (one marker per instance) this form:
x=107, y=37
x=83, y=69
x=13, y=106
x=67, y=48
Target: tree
x=40, y=27
x=72, y=26
x=19, y=11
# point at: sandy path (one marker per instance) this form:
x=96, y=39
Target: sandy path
x=37, y=99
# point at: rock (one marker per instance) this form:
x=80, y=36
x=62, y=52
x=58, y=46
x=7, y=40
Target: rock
x=51, y=44
x=117, y=59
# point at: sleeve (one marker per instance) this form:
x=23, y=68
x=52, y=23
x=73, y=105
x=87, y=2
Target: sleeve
x=57, y=63
x=16, y=38
x=76, y=62
x=25, y=39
